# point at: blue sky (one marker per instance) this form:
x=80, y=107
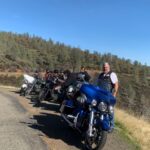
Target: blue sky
x=121, y=27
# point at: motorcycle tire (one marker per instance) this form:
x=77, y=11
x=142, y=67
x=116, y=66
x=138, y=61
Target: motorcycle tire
x=22, y=92
x=101, y=140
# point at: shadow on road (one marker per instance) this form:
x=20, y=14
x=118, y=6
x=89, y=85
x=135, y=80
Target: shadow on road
x=45, y=105
x=53, y=127
x=50, y=106
x=16, y=91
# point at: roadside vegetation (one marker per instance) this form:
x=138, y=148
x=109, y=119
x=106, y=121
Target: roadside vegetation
x=135, y=129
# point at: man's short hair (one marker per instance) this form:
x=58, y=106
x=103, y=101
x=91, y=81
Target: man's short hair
x=106, y=63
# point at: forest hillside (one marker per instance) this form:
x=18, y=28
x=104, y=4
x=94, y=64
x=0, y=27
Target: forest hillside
x=29, y=53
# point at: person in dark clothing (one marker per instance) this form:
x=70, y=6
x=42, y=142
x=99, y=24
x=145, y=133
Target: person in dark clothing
x=36, y=74
x=85, y=74
x=70, y=78
x=108, y=80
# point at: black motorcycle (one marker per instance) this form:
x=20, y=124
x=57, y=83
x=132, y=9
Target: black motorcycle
x=50, y=91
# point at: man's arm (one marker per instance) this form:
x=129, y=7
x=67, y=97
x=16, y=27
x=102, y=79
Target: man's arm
x=114, y=80
x=116, y=86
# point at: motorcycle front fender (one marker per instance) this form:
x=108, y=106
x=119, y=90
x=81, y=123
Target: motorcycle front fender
x=104, y=122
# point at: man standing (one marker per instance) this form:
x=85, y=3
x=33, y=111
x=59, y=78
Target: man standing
x=108, y=80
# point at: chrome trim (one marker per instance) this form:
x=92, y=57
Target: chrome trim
x=90, y=129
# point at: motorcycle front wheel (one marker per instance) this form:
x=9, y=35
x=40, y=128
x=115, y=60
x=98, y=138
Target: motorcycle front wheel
x=96, y=142
x=22, y=92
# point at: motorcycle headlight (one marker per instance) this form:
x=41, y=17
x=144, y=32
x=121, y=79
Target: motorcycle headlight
x=79, y=85
x=111, y=109
x=102, y=106
x=70, y=89
x=82, y=98
x=94, y=102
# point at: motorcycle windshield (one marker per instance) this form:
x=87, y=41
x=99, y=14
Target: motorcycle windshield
x=95, y=92
x=29, y=78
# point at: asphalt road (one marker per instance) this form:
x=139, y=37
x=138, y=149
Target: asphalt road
x=14, y=134
x=24, y=127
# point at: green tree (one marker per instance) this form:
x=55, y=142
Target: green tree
x=75, y=59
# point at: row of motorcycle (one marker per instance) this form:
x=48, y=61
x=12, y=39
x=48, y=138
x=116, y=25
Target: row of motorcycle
x=84, y=106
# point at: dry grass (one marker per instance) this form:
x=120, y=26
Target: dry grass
x=17, y=74
x=137, y=128
x=9, y=74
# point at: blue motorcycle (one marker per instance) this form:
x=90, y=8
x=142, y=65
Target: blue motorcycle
x=90, y=111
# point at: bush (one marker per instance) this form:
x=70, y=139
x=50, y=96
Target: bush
x=11, y=80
